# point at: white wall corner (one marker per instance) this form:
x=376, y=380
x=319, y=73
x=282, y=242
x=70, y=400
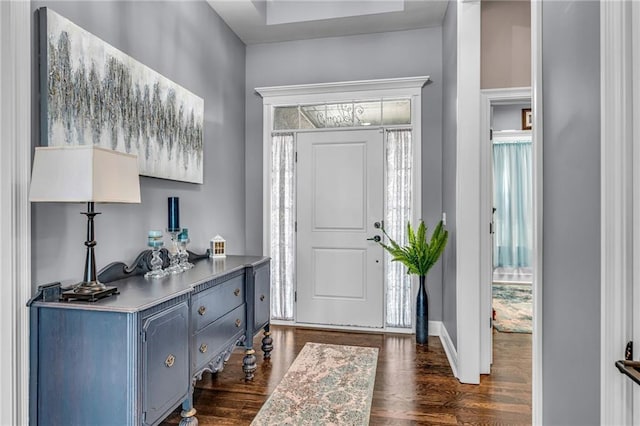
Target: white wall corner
x=467, y=193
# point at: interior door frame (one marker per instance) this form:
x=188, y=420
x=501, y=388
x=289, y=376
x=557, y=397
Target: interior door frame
x=391, y=88
x=15, y=220
x=489, y=98
x=620, y=204
x=468, y=201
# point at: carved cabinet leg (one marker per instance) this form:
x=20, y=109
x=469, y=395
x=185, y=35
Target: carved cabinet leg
x=267, y=343
x=188, y=413
x=249, y=363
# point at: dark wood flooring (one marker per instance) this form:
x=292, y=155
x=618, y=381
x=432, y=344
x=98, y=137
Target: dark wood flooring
x=414, y=384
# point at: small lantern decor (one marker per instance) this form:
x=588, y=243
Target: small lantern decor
x=218, y=247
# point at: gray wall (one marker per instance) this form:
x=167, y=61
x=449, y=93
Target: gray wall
x=571, y=234
x=507, y=117
x=449, y=135
x=188, y=43
x=383, y=55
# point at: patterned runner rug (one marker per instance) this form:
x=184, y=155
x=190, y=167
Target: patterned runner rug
x=513, y=309
x=325, y=385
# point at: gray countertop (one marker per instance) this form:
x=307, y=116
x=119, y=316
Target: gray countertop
x=139, y=293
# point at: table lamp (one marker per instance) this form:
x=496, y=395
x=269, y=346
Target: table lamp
x=78, y=174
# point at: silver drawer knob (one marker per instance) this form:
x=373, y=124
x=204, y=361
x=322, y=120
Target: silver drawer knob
x=203, y=348
x=238, y=322
x=262, y=297
x=236, y=291
x=202, y=310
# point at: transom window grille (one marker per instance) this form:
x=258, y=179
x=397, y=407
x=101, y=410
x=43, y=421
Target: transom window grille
x=385, y=112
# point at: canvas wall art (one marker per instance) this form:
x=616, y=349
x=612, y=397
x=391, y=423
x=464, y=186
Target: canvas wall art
x=92, y=93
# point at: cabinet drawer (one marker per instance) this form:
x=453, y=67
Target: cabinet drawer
x=262, y=297
x=217, y=336
x=165, y=361
x=212, y=303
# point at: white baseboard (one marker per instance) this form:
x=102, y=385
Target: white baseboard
x=449, y=349
x=435, y=328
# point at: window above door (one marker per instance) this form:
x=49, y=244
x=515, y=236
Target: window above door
x=387, y=112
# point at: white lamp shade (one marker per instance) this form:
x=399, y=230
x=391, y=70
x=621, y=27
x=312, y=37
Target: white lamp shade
x=84, y=173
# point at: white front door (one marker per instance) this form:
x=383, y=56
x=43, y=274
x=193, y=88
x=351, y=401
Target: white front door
x=340, y=198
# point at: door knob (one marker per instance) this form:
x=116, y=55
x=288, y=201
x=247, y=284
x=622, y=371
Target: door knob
x=377, y=225
x=375, y=238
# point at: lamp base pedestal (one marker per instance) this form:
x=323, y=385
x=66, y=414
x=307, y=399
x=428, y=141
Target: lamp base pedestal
x=88, y=296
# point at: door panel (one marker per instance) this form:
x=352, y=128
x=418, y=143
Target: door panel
x=339, y=273
x=340, y=197
x=338, y=179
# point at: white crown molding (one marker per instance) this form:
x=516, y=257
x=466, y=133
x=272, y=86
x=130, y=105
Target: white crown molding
x=410, y=84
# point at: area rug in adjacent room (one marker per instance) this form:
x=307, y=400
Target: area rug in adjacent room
x=325, y=385
x=513, y=308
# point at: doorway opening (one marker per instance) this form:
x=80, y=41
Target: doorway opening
x=507, y=208
x=313, y=146
x=512, y=224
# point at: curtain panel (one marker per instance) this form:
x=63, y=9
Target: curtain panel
x=512, y=200
x=282, y=225
x=398, y=192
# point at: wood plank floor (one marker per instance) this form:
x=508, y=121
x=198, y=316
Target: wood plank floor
x=414, y=384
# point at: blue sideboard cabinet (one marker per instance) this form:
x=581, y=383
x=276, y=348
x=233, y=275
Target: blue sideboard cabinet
x=132, y=358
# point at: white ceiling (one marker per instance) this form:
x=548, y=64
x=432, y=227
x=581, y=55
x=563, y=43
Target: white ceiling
x=264, y=21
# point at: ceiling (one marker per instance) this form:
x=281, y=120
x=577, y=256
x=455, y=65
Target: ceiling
x=264, y=21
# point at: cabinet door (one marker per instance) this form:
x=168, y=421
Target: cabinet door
x=165, y=361
x=262, y=297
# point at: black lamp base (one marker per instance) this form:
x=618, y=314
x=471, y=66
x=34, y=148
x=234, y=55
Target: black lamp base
x=90, y=287
x=88, y=296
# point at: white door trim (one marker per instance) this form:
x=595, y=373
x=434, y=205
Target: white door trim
x=334, y=92
x=489, y=97
x=537, y=150
x=620, y=192
x=15, y=215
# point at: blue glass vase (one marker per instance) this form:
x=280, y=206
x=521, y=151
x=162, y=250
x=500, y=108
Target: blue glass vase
x=422, y=313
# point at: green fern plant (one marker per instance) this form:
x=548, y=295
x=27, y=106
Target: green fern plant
x=418, y=255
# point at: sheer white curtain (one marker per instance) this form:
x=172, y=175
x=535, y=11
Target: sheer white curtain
x=398, y=191
x=282, y=225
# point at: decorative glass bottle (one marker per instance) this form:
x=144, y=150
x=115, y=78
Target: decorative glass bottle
x=154, y=241
x=183, y=255
x=174, y=252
